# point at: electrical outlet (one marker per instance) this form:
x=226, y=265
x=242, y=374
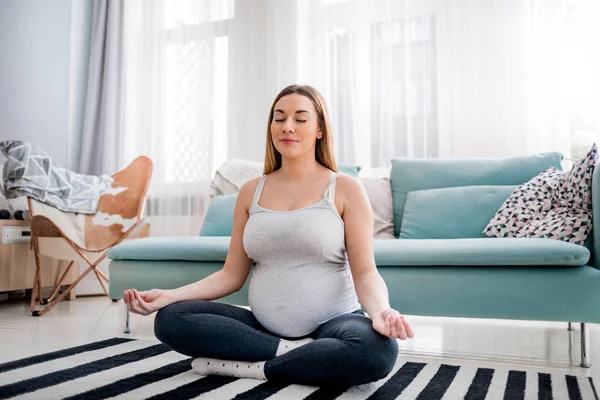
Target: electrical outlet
x=16, y=234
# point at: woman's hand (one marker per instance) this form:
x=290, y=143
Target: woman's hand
x=146, y=303
x=392, y=324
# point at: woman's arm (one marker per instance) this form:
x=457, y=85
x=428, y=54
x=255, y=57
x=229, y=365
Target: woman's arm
x=370, y=287
x=229, y=279
x=237, y=266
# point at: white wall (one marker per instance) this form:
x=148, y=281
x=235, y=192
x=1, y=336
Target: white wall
x=44, y=53
x=44, y=47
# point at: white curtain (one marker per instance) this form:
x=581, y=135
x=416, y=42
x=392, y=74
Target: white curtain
x=175, y=60
x=411, y=78
x=452, y=78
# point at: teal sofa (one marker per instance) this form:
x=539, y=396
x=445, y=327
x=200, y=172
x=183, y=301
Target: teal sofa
x=440, y=264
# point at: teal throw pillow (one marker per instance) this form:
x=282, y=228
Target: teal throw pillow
x=219, y=216
x=451, y=213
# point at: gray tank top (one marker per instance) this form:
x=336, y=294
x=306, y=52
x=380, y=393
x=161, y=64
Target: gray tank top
x=302, y=277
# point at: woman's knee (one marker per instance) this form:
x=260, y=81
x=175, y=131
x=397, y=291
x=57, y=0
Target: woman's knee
x=373, y=353
x=169, y=319
x=376, y=353
x=380, y=356
x=164, y=322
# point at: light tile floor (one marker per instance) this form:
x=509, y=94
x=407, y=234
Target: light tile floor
x=522, y=345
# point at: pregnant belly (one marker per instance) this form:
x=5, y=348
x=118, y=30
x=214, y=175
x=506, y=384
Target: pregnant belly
x=294, y=302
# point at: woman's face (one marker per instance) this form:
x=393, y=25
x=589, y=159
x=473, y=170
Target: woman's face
x=295, y=128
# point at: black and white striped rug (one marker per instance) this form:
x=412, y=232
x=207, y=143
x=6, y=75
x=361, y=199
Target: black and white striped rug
x=139, y=369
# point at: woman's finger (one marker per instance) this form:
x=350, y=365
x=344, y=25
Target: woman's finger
x=388, y=326
x=139, y=302
x=140, y=295
x=400, y=328
x=132, y=302
x=143, y=294
x=397, y=324
x=135, y=306
x=393, y=331
x=127, y=299
x=408, y=328
x=145, y=306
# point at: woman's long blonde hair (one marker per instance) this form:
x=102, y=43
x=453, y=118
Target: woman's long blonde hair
x=324, y=147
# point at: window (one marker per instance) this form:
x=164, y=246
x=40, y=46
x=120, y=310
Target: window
x=382, y=81
x=340, y=48
x=195, y=87
x=583, y=79
x=403, y=89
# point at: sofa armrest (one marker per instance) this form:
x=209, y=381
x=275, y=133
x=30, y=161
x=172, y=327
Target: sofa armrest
x=595, y=245
x=205, y=248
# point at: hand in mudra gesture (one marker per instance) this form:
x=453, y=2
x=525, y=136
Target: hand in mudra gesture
x=146, y=303
x=392, y=324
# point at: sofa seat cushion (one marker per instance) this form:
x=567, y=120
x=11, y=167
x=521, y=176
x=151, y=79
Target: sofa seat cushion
x=396, y=252
x=480, y=251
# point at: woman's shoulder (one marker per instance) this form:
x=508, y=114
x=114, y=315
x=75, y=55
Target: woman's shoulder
x=250, y=185
x=348, y=186
x=248, y=189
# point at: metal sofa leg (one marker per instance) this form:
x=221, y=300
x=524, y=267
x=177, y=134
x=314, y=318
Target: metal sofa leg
x=585, y=363
x=570, y=327
x=127, y=318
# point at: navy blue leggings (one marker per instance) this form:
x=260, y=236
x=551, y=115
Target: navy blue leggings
x=346, y=350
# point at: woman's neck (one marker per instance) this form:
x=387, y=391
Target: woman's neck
x=300, y=170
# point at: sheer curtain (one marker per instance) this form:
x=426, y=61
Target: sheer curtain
x=424, y=78
x=175, y=61
x=411, y=78
x=451, y=78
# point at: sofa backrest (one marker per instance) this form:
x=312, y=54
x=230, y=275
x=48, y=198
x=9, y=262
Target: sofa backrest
x=474, y=190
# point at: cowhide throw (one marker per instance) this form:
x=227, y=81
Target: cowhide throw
x=119, y=208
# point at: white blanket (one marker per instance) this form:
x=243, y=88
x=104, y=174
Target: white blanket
x=231, y=176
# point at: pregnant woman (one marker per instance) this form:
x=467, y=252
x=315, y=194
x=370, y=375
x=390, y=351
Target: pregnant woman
x=309, y=230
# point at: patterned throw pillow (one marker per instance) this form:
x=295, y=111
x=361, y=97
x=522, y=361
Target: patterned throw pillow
x=552, y=205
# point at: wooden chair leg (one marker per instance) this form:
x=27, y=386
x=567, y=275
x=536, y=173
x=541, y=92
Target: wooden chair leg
x=39, y=289
x=69, y=291
x=54, y=302
x=34, y=289
x=103, y=275
x=97, y=272
x=62, y=278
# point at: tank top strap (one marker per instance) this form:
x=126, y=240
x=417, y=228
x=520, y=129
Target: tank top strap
x=330, y=190
x=258, y=191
